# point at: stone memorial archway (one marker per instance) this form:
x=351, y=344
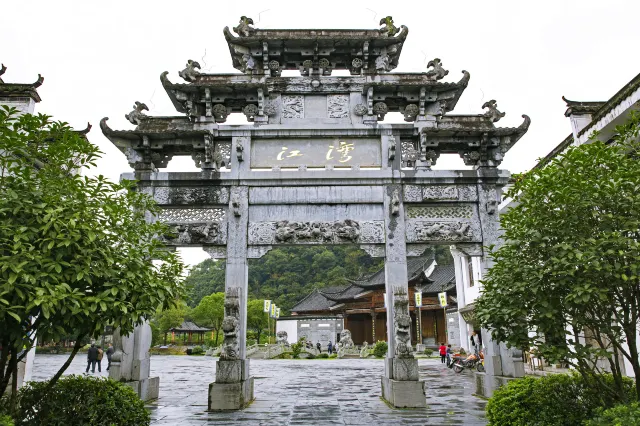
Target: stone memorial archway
x=317, y=165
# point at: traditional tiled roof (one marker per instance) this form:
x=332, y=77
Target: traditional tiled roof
x=13, y=90
x=346, y=294
x=443, y=278
x=315, y=301
x=613, y=102
x=187, y=326
x=578, y=107
x=415, y=267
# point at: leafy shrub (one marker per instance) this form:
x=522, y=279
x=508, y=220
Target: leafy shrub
x=296, y=348
x=380, y=349
x=620, y=415
x=462, y=351
x=197, y=350
x=323, y=355
x=6, y=420
x=428, y=352
x=80, y=400
x=333, y=355
x=311, y=356
x=555, y=400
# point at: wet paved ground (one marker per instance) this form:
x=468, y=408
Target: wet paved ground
x=300, y=392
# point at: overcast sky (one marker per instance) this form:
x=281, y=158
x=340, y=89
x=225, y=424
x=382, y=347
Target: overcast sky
x=97, y=58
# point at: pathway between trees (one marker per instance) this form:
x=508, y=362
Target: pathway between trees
x=299, y=392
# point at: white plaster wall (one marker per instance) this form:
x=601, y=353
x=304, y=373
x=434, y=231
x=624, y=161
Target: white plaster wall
x=291, y=327
x=24, y=105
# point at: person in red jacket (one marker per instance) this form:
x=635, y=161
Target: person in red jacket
x=443, y=353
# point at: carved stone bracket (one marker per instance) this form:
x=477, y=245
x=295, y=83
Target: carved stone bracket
x=256, y=252
x=373, y=250
x=416, y=250
x=216, y=252
x=462, y=249
x=339, y=232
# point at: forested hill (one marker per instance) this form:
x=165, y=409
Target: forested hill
x=286, y=275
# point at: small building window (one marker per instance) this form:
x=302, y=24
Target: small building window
x=470, y=274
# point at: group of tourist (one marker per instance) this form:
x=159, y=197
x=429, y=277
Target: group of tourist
x=95, y=355
x=330, y=347
x=445, y=354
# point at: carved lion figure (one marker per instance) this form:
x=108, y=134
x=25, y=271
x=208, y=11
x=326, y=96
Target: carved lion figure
x=136, y=116
x=346, y=342
x=282, y=338
x=190, y=72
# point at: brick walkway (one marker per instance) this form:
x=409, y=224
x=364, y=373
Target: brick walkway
x=300, y=392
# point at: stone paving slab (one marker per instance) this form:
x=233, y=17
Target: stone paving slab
x=298, y=392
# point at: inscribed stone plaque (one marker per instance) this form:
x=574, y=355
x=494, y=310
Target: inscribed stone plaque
x=317, y=152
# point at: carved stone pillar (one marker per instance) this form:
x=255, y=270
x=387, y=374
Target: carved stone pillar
x=499, y=361
x=373, y=326
x=458, y=263
x=130, y=363
x=401, y=386
x=233, y=388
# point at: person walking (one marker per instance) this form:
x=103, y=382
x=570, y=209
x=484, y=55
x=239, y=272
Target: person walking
x=449, y=352
x=443, y=353
x=110, y=352
x=99, y=360
x=319, y=346
x=92, y=358
x=330, y=348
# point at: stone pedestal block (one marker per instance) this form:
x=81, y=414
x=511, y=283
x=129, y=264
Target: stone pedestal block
x=232, y=371
x=405, y=393
x=147, y=389
x=486, y=384
x=230, y=396
x=405, y=369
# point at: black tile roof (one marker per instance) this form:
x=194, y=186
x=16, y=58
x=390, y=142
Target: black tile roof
x=415, y=267
x=187, y=326
x=443, y=278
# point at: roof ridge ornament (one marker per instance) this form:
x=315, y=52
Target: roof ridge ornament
x=136, y=116
x=492, y=113
x=244, y=29
x=437, y=73
x=388, y=29
x=190, y=72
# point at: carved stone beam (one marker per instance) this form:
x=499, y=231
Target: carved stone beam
x=423, y=101
x=365, y=52
x=265, y=57
x=207, y=102
x=208, y=152
x=370, y=101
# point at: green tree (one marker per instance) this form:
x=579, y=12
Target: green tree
x=76, y=253
x=256, y=319
x=204, y=279
x=210, y=312
x=166, y=319
x=571, y=261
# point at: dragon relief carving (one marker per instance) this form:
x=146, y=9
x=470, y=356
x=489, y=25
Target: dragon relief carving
x=136, y=116
x=193, y=233
x=230, y=325
x=338, y=106
x=447, y=231
x=244, y=28
x=191, y=71
x=437, y=73
x=292, y=106
x=492, y=113
x=402, y=323
x=335, y=232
